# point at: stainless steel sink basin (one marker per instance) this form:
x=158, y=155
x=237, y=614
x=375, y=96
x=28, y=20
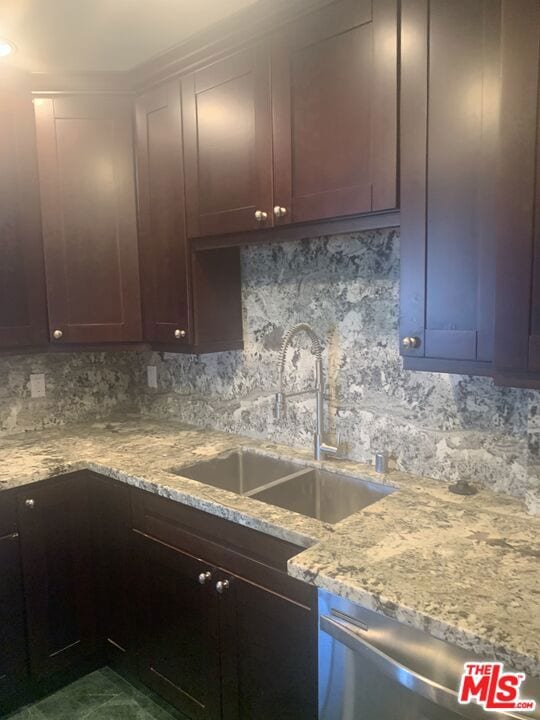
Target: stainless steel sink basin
x=313, y=492
x=239, y=471
x=320, y=494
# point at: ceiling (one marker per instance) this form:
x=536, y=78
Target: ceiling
x=95, y=35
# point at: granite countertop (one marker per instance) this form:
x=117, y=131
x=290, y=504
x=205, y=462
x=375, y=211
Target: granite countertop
x=466, y=569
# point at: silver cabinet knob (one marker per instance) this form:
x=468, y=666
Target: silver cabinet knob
x=58, y=334
x=205, y=577
x=409, y=343
x=261, y=216
x=30, y=503
x=279, y=211
x=221, y=586
x=179, y=334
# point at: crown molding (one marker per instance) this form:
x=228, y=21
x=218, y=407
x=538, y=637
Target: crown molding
x=80, y=83
x=235, y=32
x=243, y=28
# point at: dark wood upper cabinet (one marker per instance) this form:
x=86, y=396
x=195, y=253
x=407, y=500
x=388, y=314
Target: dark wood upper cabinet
x=85, y=150
x=517, y=334
x=56, y=549
x=228, y=144
x=191, y=302
x=23, y=308
x=334, y=104
x=162, y=227
x=450, y=86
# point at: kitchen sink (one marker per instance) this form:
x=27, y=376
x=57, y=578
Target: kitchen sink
x=327, y=496
x=312, y=492
x=239, y=471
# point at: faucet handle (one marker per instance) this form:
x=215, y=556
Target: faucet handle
x=331, y=449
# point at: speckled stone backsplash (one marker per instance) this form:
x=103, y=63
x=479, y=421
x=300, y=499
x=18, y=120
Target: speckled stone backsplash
x=78, y=386
x=347, y=287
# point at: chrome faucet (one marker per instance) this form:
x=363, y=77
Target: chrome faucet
x=320, y=447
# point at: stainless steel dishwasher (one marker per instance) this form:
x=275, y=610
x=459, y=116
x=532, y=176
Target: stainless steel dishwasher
x=375, y=668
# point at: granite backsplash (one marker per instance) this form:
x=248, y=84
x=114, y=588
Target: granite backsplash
x=347, y=288
x=78, y=386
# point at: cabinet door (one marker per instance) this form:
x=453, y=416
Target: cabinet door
x=517, y=343
x=178, y=629
x=85, y=150
x=111, y=526
x=270, y=654
x=162, y=230
x=228, y=144
x=23, y=306
x=56, y=547
x=13, y=659
x=334, y=90
x=450, y=89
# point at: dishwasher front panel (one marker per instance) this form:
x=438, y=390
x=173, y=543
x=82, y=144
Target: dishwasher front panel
x=373, y=668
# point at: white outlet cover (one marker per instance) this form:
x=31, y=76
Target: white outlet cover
x=37, y=385
x=151, y=375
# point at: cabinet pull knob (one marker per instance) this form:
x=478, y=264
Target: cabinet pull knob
x=409, y=343
x=205, y=577
x=178, y=334
x=30, y=503
x=279, y=211
x=261, y=216
x=221, y=586
x=58, y=334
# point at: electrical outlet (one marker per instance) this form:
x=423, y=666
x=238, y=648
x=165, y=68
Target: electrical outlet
x=151, y=376
x=37, y=385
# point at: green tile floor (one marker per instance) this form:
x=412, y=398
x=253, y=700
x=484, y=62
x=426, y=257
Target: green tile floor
x=102, y=695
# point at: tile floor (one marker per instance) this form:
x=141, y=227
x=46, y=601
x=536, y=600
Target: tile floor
x=102, y=695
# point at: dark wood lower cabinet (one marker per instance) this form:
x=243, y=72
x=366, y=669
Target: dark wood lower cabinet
x=113, y=561
x=13, y=654
x=57, y=558
x=178, y=629
x=269, y=655
x=225, y=632
x=199, y=609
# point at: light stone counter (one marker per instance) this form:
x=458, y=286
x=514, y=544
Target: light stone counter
x=466, y=569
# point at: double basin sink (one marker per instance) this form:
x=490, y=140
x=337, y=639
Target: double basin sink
x=309, y=491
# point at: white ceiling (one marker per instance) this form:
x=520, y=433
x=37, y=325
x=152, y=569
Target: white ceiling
x=91, y=35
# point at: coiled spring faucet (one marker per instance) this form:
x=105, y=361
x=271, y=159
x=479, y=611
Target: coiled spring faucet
x=320, y=447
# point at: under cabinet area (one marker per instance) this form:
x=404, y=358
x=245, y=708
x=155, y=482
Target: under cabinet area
x=197, y=608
